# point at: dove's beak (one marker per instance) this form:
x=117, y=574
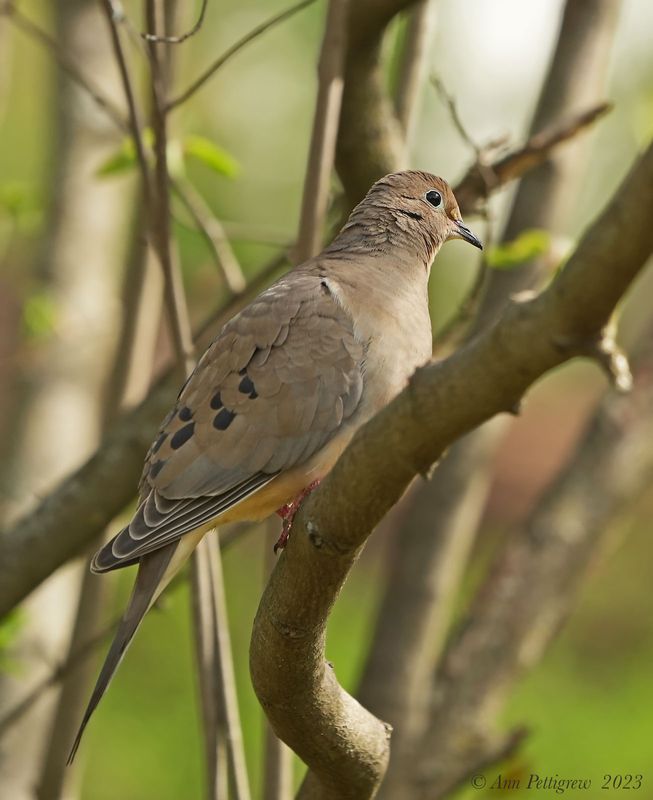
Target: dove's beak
x=461, y=231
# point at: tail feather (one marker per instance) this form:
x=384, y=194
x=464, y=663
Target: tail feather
x=151, y=570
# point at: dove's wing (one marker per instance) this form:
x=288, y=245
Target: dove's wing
x=274, y=387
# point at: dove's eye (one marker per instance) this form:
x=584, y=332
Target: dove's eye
x=434, y=198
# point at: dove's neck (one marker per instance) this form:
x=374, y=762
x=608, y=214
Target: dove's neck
x=380, y=232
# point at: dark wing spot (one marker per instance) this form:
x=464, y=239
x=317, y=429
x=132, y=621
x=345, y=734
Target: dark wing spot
x=253, y=395
x=182, y=436
x=160, y=440
x=216, y=401
x=156, y=468
x=246, y=386
x=223, y=420
x=185, y=414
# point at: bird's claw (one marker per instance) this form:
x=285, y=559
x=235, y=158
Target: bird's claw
x=287, y=513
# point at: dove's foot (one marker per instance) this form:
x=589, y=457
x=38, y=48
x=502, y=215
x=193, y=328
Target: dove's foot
x=287, y=513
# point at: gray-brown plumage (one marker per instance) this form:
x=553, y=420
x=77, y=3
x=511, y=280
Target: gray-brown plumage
x=279, y=393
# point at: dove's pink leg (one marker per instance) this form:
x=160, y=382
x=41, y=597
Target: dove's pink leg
x=287, y=513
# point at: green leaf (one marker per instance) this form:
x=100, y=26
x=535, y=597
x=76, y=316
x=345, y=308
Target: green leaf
x=528, y=245
x=211, y=155
x=124, y=159
x=39, y=315
x=121, y=161
x=10, y=627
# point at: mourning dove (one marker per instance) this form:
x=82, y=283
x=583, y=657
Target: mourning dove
x=283, y=387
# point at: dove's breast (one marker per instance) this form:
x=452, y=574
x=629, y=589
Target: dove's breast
x=394, y=323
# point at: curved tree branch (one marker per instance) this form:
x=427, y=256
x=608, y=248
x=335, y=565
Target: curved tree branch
x=345, y=747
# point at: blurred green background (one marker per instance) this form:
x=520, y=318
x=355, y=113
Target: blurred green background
x=589, y=704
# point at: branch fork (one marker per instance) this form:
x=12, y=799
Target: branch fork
x=604, y=350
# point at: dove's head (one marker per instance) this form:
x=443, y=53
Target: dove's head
x=427, y=202
x=409, y=210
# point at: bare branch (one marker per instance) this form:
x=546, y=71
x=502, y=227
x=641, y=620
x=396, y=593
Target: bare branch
x=277, y=780
x=134, y=115
x=152, y=37
x=214, y=234
x=304, y=702
x=277, y=769
x=414, y=65
x=217, y=680
x=608, y=355
x=452, y=106
x=231, y=51
x=209, y=616
x=473, y=189
x=325, y=130
x=160, y=219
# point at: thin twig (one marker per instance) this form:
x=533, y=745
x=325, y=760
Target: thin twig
x=472, y=191
x=482, y=154
x=452, y=106
x=325, y=131
x=152, y=37
x=209, y=615
x=53, y=771
x=175, y=300
x=412, y=69
x=213, y=717
x=226, y=680
x=121, y=18
x=134, y=114
x=277, y=765
x=9, y=9
x=231, y=51
x=213, y=233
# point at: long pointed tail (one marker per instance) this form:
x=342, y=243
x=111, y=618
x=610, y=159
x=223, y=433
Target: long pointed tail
x=151, y=571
